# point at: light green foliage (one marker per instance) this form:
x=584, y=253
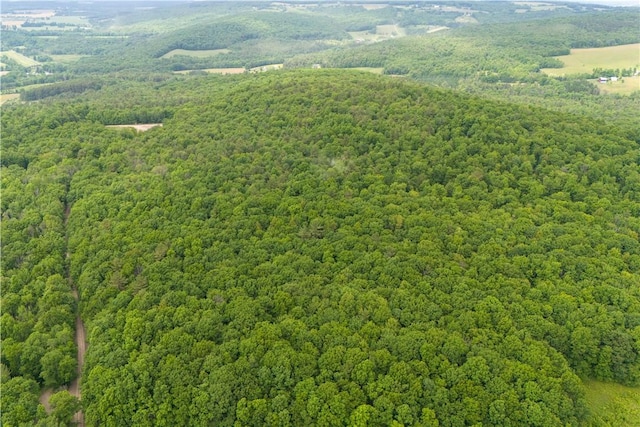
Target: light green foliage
x=613, y=404
x=63, y=406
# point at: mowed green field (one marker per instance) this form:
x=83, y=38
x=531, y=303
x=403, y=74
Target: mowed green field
x=585, y=60
x=613, y=404
x=19, y=58
x=195, y=53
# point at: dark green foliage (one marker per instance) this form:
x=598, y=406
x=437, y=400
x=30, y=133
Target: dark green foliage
x=314, y=248
x=228, y=32
x=59, y=88
x=19, y=401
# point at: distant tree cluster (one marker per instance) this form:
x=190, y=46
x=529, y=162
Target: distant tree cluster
x=617, y=72
x=74, y=87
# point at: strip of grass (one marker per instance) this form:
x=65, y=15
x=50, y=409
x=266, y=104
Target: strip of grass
x=215, y=71
x=374, y=70
x=269, y=67
x=613, y=404
x=19, y=58
x=195, y=53
x=8, y=97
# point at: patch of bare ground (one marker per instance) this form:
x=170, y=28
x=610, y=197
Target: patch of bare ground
x=44, y=399
x=138, y=127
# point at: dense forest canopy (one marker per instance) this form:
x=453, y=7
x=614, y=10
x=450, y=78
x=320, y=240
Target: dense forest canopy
x=453, y=242
x=316, y=248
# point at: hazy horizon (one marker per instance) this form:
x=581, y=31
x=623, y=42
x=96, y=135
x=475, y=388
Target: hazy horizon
x=602, y=2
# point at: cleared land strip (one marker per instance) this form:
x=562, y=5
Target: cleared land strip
x=138, y=127
x=80, y=338
x=81, y=343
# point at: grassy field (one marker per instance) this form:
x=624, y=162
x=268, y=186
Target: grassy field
x=8, y=97
x=269, y=67
x=390, y=31
x=369, y=69
x=121, y=37
x=585, y=60
x=19, y=58
x=625, y=86
x=383, y=32
x=466, y=19
x=195, y=53
x=613, y=404
x=215, y=71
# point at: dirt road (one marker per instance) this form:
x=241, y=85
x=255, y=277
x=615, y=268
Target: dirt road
x=81, y=343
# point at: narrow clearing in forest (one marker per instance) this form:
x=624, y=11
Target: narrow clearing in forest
x=81, y=342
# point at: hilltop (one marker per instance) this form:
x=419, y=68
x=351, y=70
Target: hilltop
x=317, y=247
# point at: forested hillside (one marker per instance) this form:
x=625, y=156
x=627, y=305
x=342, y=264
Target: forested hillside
x=317, y=248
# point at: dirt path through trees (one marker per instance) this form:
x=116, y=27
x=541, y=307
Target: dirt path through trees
x=80, y=338
x=81, y=343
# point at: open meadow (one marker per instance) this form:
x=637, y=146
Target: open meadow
x=195, y=53
x=382, y=32
x=624, y=86
x=8, y=97
x=613, y=404
x=20, y=58
x=236, y=70
x=585, y=60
